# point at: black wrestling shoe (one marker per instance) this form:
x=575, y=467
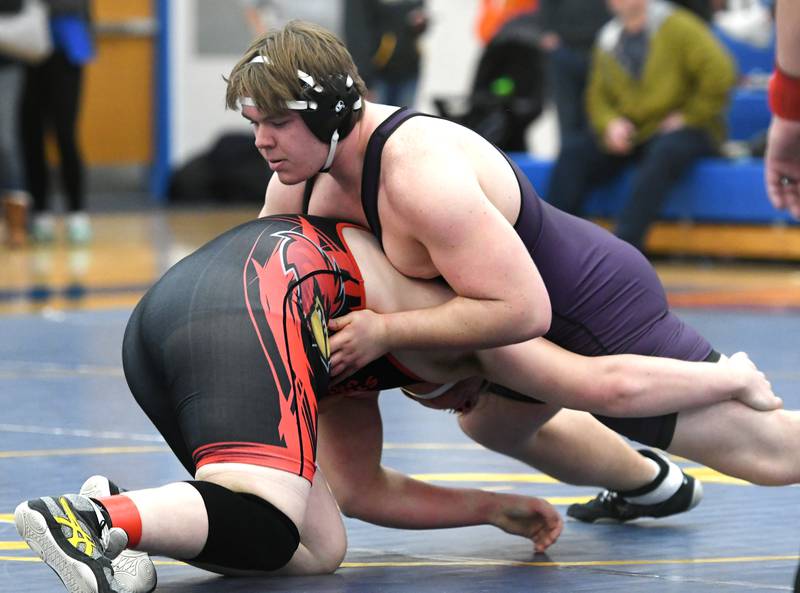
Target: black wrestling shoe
x=610, y=507
x=133, y=570
x=69, y=535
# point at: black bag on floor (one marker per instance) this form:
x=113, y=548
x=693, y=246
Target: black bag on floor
x=231, y=171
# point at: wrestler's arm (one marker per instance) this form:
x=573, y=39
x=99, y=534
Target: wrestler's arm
x=619, y=385
x=433, y=196
x=281, y=199
x=624, y=384
x=349, y=453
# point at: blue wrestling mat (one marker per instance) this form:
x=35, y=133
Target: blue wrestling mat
x=67, y=414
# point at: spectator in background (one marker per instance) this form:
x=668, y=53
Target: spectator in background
x=52, y=98
x=568, y=31
x=493, y=14
x=782, y=165
x=383, y=38
x=12, y=184
x=658, y=88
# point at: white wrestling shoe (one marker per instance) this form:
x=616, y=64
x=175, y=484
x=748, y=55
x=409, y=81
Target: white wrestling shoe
x=133, y=570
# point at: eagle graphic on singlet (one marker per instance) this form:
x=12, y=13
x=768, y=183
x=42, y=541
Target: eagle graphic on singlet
x=299, y=276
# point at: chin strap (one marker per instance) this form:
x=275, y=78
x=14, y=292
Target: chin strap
x=331, y=152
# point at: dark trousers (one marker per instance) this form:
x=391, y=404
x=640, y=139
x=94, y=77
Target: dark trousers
x=567, y=71
x=660, y=162
x=51, y=99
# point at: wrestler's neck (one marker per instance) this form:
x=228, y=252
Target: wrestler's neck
x=348, y=164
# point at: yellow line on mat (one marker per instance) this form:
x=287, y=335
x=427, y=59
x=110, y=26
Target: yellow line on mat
x=84, y=451
x=415, y=563
x=13, y=546
x=705, y=474
x=489, y=562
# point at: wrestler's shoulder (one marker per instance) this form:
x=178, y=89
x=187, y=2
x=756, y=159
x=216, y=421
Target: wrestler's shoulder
x=421, y=136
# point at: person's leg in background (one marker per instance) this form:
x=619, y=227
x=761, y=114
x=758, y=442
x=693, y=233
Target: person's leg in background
x=396, y=92
x=567, y=73
x=35, y=108
x=662, y=162
x=580, y=166
x=68, y=78
x=14, y=198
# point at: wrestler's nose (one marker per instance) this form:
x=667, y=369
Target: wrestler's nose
x=264, y=138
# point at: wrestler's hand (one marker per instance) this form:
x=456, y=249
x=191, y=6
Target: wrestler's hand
x=530, y=517
x=782, y=165
x=360, y=337
x=757, y=392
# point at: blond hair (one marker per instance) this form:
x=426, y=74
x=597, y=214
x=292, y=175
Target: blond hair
x=297, y=46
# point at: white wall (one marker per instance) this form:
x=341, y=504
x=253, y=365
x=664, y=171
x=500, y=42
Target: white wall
x=197, y=94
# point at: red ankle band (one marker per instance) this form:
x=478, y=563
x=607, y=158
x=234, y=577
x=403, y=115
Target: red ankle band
x=124, y=515
x=784, y=95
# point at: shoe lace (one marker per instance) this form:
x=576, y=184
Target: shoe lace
x=608, y=498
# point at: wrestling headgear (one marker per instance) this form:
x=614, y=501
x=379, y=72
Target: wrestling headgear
x=327, y=107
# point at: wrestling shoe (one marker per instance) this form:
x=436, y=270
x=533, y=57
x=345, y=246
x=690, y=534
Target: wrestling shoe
x=69, y=533
x=134, y=570
x=614, y=507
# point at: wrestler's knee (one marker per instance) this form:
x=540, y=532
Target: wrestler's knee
x=333, y=555
x=760, y=447
x=245, y=532
x=778, y=464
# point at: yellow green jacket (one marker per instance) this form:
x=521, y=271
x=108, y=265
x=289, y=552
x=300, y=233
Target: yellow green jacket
x=686, y=70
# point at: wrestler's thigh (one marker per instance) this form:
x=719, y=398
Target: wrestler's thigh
x=149, y=388
x=502, y=423
x=223, y=388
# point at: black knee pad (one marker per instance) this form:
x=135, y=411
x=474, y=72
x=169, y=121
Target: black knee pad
x=245, y=532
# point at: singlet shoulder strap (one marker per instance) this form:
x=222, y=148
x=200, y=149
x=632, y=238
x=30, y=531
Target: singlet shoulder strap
x=309, y=187
x=371, y=174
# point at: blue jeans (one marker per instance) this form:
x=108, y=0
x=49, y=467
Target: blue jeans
x=11, y=172
x=567, y=71
x=402, y=93
x=660, y=163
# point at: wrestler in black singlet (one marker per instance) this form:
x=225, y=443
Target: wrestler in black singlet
x=605, y=296
x=227, y=353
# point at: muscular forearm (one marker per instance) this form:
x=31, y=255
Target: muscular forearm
x=619, y=385
x=463, y=324
x=645, y=386
x=395, y=500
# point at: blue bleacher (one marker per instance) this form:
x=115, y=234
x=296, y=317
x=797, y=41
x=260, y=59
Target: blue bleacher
x=715, y=190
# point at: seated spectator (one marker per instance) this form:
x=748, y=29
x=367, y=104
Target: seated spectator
x=658, y=88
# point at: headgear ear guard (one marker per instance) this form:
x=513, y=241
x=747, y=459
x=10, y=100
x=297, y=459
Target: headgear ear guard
x=327, y=107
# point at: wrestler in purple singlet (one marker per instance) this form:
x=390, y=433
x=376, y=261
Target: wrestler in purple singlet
x=606, y=297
